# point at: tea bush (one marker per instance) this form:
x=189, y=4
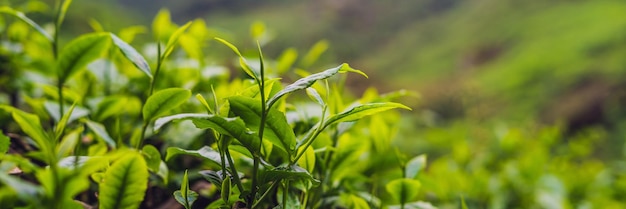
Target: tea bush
x=94, y=122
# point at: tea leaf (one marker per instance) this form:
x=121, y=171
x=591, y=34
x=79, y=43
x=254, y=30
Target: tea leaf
x=173, y=40
x=30, y=124
x=234, y=127
x=163, y=101
x=58, y=131
x=306, y=82
x=307, y=161
x=152, y=157
x=5, y=142
x=225, y=190
x=289, y=173
x=22, y=17
x=242, y=61
x=414, y=166
x=185, y=116
x=205, y=152
x=67, y=145
x=132, y=55
x=315, y=96
x=314, y=53
x=277, y=130
x=62, y=13
x=404, y=189
x=101, y=132
x=80, y=52
x=185, y=196
x=361, y=111
x=125, y=182
x=161, y=25
x=285, y=60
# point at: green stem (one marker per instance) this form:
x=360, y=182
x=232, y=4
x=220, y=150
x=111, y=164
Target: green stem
x=285, y=194
x=152, y=82
x=255, y=168
x=272, y=187
x=233, y=170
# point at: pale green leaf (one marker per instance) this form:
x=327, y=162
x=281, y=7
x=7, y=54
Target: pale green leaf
x=62, y=13
x=22, y=17
x=184, y=116
x=403, y=189
x=163, y=101
x=173, y=40
x=152, y=157
x=242, y=61
x=205, y=152
x=80, y=52
x=101, y=132
x=314, y=53
x=315, y=96
x=277, y=130
x=161, y=25
x=185, y=196
x=132, y=55
x=360, y=111
x=53, y=110
x=69, y=142
x=306, y=82
x=125, y=183
x=414, y=166
x=286, y=60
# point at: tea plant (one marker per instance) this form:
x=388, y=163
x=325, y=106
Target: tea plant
x=93, y=117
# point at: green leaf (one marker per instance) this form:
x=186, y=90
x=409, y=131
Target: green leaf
x=69, y=141
x=225, y=190
x=414, y=166
x=360, y=111
x=242, y=61
x=80, y=52
x=62, y=13
x=306, y=82
x=152, y=157
x=315, y=96
x=404, y=189
x=5, y=142
x=117, y=105
x=234, y=127
x=22, y=17
x=163, y=101
x=58, y=131
x=173, y=40
x=285, y=60
x=463, y=204
x=277, y=130
x=205, y=152
x=184, y=116
x=53, y=110
x=101, y=132
x=132, y=55
x=29, y=123
x=314, y=53
x=26, y=190
x=307, y=161
x=161, y=25
x=125, y=182
x=293, y=173
x=185, y=196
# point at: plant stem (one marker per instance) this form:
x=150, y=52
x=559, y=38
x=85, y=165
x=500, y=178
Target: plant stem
x=233, y=170
x=152, y=82
x=264, y=111
x=310, y=140
x=55, y=53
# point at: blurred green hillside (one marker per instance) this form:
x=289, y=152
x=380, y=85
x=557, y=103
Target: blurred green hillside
x=522, y=60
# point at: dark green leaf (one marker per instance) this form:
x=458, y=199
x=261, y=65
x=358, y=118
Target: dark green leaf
x=80, y=52
x=360, y=111
x=132, y=55
x=404, y=189
x=225, y=190
x=22, y=17
x=165, y=100
x=234, y=127
x=124, y=183
x=214, y=177
x=414, y=166
x=277, y=129
x=101, y=132
x=205, y=152
x=152, y=157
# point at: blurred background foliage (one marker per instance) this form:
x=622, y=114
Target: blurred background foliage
x=520, y=101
